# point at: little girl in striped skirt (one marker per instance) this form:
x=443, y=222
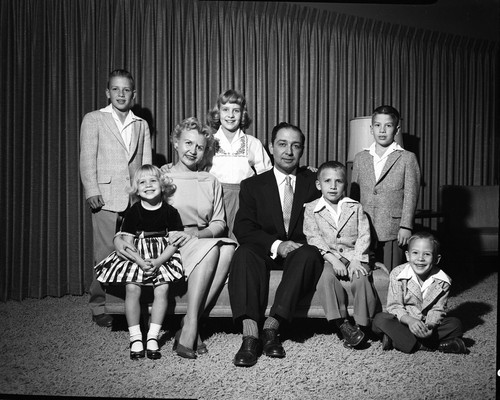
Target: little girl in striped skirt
x=146, y=227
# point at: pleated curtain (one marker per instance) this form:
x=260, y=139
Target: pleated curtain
x=309, y=67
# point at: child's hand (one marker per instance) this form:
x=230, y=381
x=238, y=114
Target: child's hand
x=95, y=202
x=153, y=268
x=403, y=236
x=379, y=265
x=338, y=267
x=418, y=328
x=355, y=267
x=148, y=268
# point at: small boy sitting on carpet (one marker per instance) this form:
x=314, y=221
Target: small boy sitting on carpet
x=416, y=302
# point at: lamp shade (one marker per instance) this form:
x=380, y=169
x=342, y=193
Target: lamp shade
x=360, y=136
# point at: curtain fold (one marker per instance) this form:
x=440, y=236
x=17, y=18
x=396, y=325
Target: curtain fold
x=297, y=64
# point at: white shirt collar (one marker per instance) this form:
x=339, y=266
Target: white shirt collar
x=221, y=135
x=394, y=146
x=407, y=273
x=280, y=177
x=322, y=203
x=109, y=109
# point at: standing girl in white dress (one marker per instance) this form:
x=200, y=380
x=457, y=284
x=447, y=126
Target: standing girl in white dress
x=239, y=155
x=156, y=262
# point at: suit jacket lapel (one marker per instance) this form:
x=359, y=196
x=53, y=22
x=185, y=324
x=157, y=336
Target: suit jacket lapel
x=299, y=198
x=271, y=192
x=325, y=214
x=133, y=140
x=434, y=291
x=391, y=159
x=413, y=287
x=346, y=213
x=111, y=124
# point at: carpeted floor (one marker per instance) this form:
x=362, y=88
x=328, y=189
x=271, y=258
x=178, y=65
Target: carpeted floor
x=51, y=347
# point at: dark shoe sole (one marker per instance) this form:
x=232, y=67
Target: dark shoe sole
x=153, y=354
x=274, y=354
x=241, y=363
x=358, y=343
x=136, y=355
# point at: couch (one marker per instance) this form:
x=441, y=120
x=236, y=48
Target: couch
x=308, y=307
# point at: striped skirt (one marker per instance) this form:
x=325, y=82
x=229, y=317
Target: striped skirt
x=116, y=270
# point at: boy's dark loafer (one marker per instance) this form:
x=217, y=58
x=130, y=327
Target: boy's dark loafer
x=386, y=343
x=272, y=344
x=103, y=320
x=248, y=353
x=353, y=335
x=455, y=345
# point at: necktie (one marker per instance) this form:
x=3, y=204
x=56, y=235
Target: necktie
x=287, y=202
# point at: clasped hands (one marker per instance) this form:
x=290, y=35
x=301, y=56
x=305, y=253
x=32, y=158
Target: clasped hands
x=149, y=268
x=286, y=247
x=128, y=251
x=418, y=327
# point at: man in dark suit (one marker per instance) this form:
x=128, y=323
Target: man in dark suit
x=268, y=226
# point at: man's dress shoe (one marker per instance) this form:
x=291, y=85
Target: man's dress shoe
x=272, y=344
x=248, y=353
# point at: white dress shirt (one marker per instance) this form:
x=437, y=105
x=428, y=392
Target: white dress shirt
x=125, y=129
x=322, y=203
x=281, y=182
x=379, y=162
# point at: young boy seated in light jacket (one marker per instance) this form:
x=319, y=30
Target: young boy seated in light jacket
x=339, y=228
x=416, y=303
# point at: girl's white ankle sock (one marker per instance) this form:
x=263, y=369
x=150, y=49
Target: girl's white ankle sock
x=135, y=334
x=154, y=331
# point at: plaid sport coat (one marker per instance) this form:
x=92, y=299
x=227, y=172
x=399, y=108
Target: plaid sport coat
x=106, y=167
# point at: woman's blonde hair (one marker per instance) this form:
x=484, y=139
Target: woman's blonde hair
x=193, y=123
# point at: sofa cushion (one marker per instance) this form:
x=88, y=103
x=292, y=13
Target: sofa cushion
x=307, y=307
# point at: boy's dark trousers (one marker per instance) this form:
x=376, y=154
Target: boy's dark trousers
x=405, y=341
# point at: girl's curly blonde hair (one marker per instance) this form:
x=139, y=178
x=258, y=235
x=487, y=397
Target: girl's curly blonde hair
x=166, y=184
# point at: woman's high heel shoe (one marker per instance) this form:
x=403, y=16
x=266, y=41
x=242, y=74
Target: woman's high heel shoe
x=135, y=355
x=201, y=347
x=181, y=350
x=153, y=354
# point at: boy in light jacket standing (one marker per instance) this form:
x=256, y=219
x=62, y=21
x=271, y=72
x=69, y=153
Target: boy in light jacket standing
x=113, y=144
x=387, y=178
